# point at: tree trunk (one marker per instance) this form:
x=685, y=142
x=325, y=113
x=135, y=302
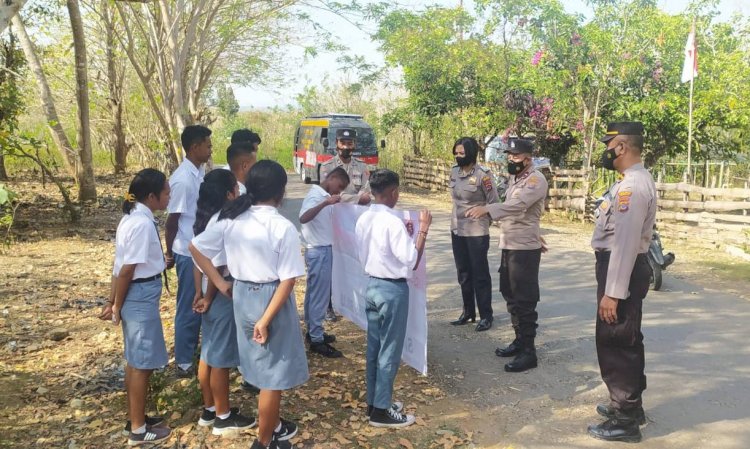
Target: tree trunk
x=45, y=95
x=115, y=83
x=86, y=179
x=8, y=10
x=3, y=172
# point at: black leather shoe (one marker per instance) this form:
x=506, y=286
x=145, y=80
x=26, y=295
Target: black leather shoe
x=617, y=429
x=325, y=350
x=327, y=338
x=463, y=319
x=484, y=324
x=523, y=362
x=609, y=412
x=511, y=350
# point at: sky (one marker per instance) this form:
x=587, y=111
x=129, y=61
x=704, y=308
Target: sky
x=359, y=43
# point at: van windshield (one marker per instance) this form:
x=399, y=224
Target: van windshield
x=365, y=141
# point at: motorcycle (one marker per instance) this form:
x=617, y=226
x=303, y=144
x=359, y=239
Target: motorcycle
x=658, y=260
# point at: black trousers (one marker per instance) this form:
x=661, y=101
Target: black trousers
x=470, y=254
x=519, y=284
x=619, y=346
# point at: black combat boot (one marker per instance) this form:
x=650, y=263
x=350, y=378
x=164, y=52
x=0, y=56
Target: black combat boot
x=623, y=427
x=608, y=412
x=511, y=350
x=524, y=361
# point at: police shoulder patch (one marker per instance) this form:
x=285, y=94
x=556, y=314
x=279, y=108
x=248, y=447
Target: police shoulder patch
x=623, y=200
x=487, y=183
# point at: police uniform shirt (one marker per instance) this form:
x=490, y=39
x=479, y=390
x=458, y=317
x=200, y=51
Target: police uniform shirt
x=185, y=184
x=137, y=242
x=475, y=188
x=624, y=226
x=260, y=244
x=319, y=230
x=521, y=211
x=384, y=246
x=359, y=177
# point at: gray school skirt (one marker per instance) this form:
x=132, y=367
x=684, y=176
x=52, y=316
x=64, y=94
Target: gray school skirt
x=219, y=344
x=141, y=326
x=281, y=363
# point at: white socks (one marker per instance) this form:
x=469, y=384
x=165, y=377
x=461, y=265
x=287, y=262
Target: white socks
x=139, y=430
x=210, y=409
x=224, y=416
x=278, y=428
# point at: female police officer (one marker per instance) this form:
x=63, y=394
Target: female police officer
x=471, y=185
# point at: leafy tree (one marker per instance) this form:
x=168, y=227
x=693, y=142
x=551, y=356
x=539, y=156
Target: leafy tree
x=226, y=102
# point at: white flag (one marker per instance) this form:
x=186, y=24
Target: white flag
x=690, y=67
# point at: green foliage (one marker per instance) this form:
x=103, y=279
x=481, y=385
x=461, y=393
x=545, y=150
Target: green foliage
x=8, y=206
x=226, y=102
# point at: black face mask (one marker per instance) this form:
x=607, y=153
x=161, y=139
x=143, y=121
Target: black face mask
x=346, y=154
x=462, y=161
x=608, y=158
x=515, y=168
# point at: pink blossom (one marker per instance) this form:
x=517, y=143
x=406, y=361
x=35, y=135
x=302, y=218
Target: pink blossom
x=579, y=126
x=537, y=58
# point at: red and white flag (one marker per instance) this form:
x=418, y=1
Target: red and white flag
x=690, y=67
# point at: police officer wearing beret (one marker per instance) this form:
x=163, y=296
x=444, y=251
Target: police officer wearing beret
x=624, y=224
x=522, y=247
x=471, y=185
x=358, y=190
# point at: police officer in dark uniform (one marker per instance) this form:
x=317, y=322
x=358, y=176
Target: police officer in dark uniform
x=522, y=247
x=471, y=185
x=624, y=224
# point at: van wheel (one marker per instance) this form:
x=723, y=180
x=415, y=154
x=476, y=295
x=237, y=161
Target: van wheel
x=303, y=174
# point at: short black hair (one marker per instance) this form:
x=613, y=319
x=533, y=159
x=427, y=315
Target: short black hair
x=245, y=135
x=381, y=179
x=471, y=148
x=265, y=181
x=212, y=196
x=193, y=134
x=238, y=149
x=341, y=174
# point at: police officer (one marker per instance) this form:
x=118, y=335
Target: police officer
x=522, y=247
x=358, y=190
x=471, y=185
x=624, y=225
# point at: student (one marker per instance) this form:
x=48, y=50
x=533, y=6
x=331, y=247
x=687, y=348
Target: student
x=246, y=135
x=185, y=182
x=263, y=256
x=315, y=216
x=219, y=345
x=134, y=299
x=241, y=156
x=389, y=257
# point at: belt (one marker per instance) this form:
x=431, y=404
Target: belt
x=149, y=279
x=389, y=279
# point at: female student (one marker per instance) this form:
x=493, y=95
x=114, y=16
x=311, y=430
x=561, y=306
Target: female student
x=219, y=346
x=263, y=256
x=134, y=298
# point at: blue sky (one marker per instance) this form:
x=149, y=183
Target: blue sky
x=359, y=43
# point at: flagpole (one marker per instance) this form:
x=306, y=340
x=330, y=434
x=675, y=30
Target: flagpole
x=690, y=131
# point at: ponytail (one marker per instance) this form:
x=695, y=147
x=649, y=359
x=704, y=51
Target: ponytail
x=212, y=196
x=144, y=183
x=266, y=181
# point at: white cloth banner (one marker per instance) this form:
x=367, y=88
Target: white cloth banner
x=350, y=282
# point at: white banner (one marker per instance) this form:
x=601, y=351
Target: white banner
x=350, y=281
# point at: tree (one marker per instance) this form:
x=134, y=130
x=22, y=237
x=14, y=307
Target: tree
x=226, y=101
x=11, y=100
x=86, y=179
x=8, y=9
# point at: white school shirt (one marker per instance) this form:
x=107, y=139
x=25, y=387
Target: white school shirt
x=185, y=184
x=260, y=245
x=137, y=242
x=384, y=246
x=319, y=230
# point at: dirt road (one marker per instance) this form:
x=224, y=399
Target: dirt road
x=697, y=354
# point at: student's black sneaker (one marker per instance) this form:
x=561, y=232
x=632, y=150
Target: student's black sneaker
x=185, y=373
x=250, y=388
x=207, y=417
x=151, y=436
x=274, y=444
x=396, y=407
x=287, y=432
x=325, y=350
x=235, y=421
x=150, y=422
x=327, y=338
x=390, y=418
